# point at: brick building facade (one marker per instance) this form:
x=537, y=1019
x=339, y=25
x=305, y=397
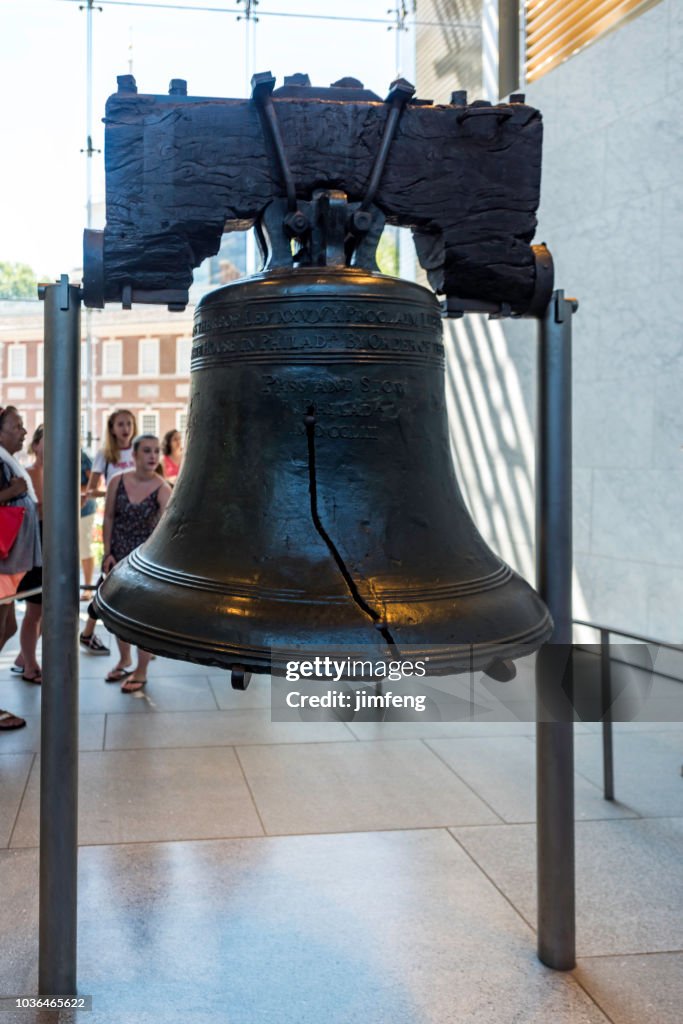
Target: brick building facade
x=140, y=360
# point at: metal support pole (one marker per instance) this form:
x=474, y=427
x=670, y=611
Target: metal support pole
x=606, y=699
x=555, y=739
x=59, y=719
x=508, y=47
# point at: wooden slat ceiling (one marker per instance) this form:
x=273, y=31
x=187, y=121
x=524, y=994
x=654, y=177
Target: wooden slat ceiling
x=555, y=29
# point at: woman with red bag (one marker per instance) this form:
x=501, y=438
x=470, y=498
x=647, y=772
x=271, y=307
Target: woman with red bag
x=16, y=491
x=26, y=664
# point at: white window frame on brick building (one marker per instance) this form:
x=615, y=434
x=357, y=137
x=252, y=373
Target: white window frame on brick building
x=181, y=421
x=148, y=422
x=183, y=355
x=16, y=362
x=40, y=361
x=148, y=358
x=112, y=359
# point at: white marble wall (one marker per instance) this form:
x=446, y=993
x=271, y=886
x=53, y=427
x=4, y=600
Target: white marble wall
x=612, y=198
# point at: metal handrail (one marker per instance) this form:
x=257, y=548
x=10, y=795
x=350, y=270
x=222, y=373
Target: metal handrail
x=606, y=689
x=631, y=636
x=20, y=595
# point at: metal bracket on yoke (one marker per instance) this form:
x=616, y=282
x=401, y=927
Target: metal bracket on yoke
x=328, y=242
x=400, y=94
x=561, y=312
x=262, y=84
x=300, y=219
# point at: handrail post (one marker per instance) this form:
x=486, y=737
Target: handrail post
x=606, y=701
x=555, y=739
x=59, y=716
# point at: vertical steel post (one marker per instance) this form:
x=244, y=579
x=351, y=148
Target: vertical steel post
x=606, y=702
x=508, y=47
x=555, y=739
x=59, y=719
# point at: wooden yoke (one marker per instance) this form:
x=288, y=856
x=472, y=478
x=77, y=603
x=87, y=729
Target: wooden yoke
x=181, y=170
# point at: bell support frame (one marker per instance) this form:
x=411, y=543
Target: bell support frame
x=117, y=268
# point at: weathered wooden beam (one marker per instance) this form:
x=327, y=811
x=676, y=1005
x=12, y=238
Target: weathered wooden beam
x=181, y=170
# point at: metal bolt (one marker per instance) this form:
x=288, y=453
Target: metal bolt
x=400, y=91
x=347, y=83
x=296, y=223
x=298, y=79
x=361, y=221
x=126, y=83
x=177, y=87
x=262, y=84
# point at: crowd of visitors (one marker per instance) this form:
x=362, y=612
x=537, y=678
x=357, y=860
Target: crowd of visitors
x=134, y=474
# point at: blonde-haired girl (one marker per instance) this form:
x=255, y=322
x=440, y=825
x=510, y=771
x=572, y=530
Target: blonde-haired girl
x=116, y=454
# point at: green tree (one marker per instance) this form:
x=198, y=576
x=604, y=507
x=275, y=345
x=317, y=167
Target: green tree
x=17, y=281
x=387, y=252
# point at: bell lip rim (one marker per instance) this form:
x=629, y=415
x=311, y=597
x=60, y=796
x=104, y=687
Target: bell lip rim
x=468, y=656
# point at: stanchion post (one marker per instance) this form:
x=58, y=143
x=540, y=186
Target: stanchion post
x=555, y=739
x=59, y=719
x=606, y=708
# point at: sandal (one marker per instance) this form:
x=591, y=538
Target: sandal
x=133, y=685
x=118, y=674
x=17, y=670
x=10, y=721
x=93, y=644
x=35, y=677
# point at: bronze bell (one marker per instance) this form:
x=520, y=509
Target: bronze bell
x=318, y=502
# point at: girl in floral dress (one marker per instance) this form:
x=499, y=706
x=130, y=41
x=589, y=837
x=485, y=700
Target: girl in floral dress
x=134, y=505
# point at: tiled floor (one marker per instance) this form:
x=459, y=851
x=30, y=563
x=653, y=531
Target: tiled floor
x=241, y=870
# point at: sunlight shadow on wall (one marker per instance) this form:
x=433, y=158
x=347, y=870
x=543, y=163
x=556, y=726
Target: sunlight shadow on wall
x=492, y=441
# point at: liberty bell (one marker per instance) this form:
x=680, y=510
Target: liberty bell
x=318, y=502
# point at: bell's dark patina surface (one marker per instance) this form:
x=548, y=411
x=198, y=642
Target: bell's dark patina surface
x=318, y=502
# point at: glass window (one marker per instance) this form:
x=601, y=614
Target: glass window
x=149, y=422
x=112, y=359
x=148, y=357
x=183, y=352
x=16, y=362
